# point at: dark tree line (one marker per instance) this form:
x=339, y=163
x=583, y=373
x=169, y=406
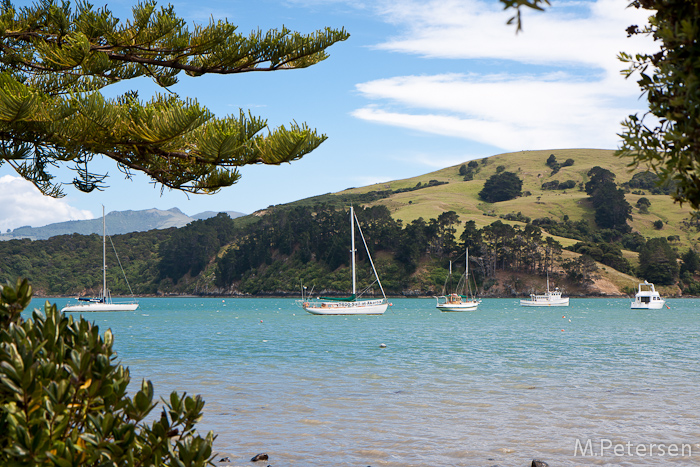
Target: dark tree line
x=273, y=252
x=303, y=236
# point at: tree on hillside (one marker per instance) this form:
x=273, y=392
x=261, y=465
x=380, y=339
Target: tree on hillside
x=442, y=234
x=643, y=205
x=657, y=262
x=611, y=208
x=501, y=187
x=691, y=261
x=55, y=62
x=597, y=177
x=667, y=137
x=581, y=270
x=470, y=238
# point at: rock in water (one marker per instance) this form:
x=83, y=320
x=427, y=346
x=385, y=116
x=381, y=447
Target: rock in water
x=259, y=457
x=536, y=463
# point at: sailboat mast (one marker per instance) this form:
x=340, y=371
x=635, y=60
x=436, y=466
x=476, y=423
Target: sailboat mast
x=104, y=255
x=352, y=250
x=466, y=273
x=466, y=268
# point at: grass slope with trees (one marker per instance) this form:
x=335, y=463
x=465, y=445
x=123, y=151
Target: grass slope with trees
x=545, y=219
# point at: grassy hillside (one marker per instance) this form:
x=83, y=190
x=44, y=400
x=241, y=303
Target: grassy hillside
x=462, y=197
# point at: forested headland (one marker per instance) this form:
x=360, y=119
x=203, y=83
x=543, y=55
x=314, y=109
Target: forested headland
x=599, y=236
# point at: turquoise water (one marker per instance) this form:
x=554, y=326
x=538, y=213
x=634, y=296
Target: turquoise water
x=503, y=385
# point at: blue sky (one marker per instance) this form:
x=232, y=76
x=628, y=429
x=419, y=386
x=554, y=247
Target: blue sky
x=419, y=86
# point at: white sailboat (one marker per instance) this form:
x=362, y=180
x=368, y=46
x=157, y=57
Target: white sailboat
x=549, y=298
x=350, y=305
x=104, y=302
x=456, y=301
x=647, y=298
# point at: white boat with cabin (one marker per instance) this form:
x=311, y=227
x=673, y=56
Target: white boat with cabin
x=549, y=298
x=457, y=301
x=350, y=305
x=104, y=301
x=647, y=298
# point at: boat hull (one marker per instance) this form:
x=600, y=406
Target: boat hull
x=97, y=307
x=467, y=306
x=557, y=302
x=363, y=307
x=655, y=305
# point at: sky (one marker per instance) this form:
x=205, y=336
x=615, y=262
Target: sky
x=418, y=86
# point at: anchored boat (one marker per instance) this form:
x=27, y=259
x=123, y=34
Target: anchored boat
x=104, y=301
x=350, y=305
x=647, y=297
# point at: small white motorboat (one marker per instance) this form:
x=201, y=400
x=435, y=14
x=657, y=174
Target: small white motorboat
x=647, y=298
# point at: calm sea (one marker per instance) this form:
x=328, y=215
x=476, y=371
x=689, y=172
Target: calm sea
x=591, y=384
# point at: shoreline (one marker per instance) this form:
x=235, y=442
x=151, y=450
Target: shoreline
x=298, y=296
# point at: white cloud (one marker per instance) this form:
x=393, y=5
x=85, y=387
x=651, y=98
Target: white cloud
x=592, y=33
x=21, y=203
x=512, y=113
x=579, y=105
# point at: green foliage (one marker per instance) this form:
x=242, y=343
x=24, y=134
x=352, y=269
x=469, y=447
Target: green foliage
x=56, y=61
x=580, y=270
x=689, y=284
x=633, y=241
x=517, y=4
x=657, y=262
x=63, y=400
x=71, y=264
x=605, y=253
x=611, y=208
x=189, y=249
x=598, y=177
x=651, y=182
x=691, y=261
x=579, y=230
x=553, y=164
x=555, y=185
x=667, y=137
x=515, y=216
x=643, y=205
x=501, y=187
x=658, y=224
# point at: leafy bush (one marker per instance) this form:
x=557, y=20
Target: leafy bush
x=555, y=185
x=513, y=216
x=63, y=400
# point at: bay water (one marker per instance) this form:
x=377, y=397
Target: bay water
x=594, y=383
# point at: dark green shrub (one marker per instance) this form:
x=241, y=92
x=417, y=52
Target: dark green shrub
x=63, y=400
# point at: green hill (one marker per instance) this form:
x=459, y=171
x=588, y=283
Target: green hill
x=272, y=250
x=462, y=196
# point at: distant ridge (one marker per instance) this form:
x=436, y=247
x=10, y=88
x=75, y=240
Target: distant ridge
x=118, y=222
